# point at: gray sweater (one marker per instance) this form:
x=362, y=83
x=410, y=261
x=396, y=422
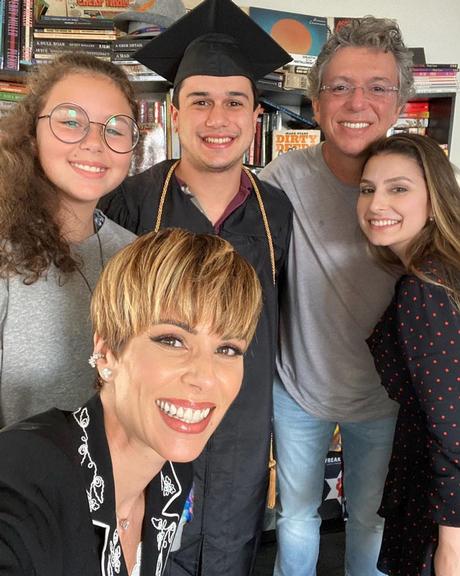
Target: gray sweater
x=46, y=334
x=334, y=295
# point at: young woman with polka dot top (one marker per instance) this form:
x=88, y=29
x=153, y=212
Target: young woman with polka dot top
x=409, y=209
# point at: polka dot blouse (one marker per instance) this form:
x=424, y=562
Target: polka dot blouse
x=416, y=349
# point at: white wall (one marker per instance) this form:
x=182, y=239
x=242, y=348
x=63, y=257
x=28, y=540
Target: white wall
x=433, y=24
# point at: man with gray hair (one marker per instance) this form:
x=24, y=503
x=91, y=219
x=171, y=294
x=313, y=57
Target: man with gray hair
x=334, y=296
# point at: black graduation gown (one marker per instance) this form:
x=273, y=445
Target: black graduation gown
x=57, y=500
x=230, y=477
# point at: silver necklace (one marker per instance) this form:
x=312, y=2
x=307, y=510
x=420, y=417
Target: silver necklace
x=123, y=523
x=101, y=258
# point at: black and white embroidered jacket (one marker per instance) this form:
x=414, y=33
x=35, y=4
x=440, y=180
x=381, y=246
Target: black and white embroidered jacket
x=57, y=500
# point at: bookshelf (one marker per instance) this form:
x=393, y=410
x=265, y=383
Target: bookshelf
x=442, y=111
x=441, y=105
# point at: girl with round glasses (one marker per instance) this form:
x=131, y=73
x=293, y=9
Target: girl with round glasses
x=67, y=144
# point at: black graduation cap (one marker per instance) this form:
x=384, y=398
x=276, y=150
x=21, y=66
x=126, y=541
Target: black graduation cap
x=214, y=39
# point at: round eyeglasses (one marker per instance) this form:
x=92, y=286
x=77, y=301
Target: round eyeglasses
x=70, y=124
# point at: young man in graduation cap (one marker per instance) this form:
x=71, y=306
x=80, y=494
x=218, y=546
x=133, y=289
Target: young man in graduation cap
x=213, y=56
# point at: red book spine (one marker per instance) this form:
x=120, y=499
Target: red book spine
x=258, y=141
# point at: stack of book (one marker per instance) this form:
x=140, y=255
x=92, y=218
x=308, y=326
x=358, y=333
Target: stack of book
x=435, y=78
x=10, y=93
x=123, y=50
x=414, y=118
x=56, y=34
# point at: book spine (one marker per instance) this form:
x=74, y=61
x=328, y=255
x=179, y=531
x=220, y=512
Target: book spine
x=297, y=69
x=435, y=89
x=251, y=153
x=131, y=45
x=269, y=83
x=71, y=36
x=258, y=141
x=123, y=56
x=42, y=45
x=263, y=143
x=436, y=72
x=27, y=22
x=159, y=112
x=11, y=96
x=12, y=35
x=76, y=31
x=54, y=50
x=51, y=53
x=12, y=87
x=6, y=106
x=438, y=82
x=74, y=22
x=416, y=114
x=2, y=31
x=455, y=66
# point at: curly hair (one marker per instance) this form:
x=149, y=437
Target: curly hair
x=439, y=239
x=30, y=236
x=368, y=32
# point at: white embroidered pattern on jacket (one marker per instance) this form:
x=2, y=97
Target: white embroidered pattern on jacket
x=113, y=560
x=167, y=486
x=166, y=526
x=165, y=536
x=95, y=494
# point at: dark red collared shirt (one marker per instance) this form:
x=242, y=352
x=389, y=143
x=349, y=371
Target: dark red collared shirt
x=240, y=197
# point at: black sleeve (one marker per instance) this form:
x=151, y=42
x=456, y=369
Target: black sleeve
x=283, y=263
x=133, y=203
x=34, y=478
x=115, y=207
x=430, y=340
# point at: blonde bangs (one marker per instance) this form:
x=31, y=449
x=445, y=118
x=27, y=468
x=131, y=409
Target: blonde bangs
x=176, y=275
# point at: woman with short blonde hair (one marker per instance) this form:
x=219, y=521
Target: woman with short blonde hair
x=104, y=487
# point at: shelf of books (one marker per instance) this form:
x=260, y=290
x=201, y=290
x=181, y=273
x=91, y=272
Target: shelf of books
x=34, y=31
x=428, y=114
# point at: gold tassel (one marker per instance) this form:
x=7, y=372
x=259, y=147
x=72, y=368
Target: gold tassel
x=271, y=495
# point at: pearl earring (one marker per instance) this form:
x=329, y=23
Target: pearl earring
x=106, y=373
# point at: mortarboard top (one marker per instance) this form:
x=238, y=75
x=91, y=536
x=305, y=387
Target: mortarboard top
x=214, y=39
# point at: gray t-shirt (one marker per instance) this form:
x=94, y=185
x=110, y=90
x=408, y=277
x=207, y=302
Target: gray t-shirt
x=334, y=295
x=46, y=334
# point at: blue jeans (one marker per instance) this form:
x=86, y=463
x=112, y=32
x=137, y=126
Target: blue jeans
x=302, y=443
